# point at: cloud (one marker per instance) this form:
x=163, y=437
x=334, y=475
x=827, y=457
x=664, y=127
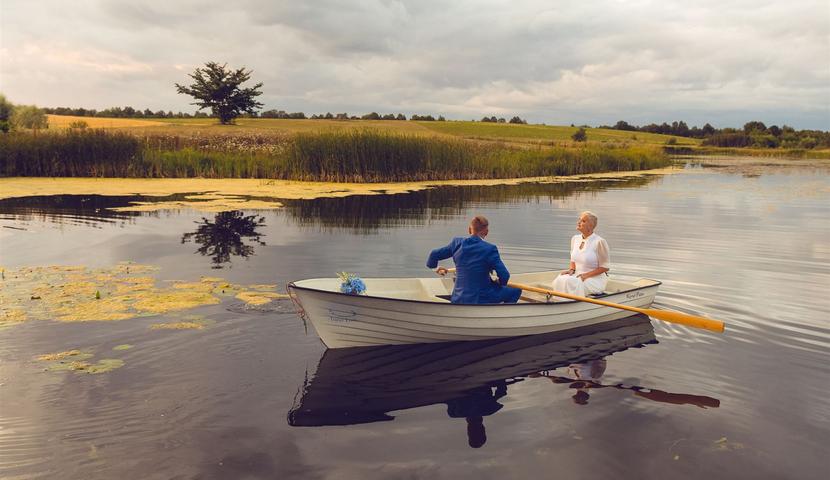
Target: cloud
x=562, y=62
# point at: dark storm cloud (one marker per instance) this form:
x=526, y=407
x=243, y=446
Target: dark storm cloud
x=555, y=62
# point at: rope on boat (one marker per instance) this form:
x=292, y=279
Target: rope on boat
x=298, y=306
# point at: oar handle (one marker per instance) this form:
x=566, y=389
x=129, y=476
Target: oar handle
x=665, y=315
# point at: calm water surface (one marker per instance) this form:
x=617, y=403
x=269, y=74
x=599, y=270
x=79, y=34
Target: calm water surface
x=257, y=396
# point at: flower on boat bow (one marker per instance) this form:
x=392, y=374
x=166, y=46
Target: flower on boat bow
x=351, y=284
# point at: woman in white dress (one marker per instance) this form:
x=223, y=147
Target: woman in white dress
x=590, y=261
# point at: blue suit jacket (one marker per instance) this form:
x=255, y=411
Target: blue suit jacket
x=474, y=260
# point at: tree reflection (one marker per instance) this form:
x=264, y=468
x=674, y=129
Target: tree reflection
x=225, y=236
x=368, y=213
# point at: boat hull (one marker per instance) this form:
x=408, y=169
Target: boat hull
x=353, y=321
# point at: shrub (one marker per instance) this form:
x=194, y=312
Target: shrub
x=6, y=110
x=29, y=117
x=728, y=140
x=808, y=142
x=580, y=135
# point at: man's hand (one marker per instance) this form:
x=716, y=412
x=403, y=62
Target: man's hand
x=441, y=271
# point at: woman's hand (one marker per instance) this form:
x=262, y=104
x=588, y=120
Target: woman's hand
x=441, y=271
x=569, y=271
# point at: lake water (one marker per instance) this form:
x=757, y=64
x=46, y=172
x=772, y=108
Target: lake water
x=255, y=395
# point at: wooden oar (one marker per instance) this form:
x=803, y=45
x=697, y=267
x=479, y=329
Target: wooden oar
x=665, y=315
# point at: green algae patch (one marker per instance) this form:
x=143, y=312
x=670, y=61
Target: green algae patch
x=220, y=204
x=124, y=346
x=74, y=355
x=76, y=361
x=70, y=360
x=123, y=291
x=102, y=366
x=74, y=366
x=116, y=308
x=259, y=298
x=105, y=365
x=177, y=326
x=725, y=445
x=11, y=316
x=164, y=302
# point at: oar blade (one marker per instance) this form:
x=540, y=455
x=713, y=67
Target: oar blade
x=685, y=319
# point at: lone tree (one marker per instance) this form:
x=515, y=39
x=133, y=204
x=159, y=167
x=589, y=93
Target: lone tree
x=218, y=88
x=580, y=135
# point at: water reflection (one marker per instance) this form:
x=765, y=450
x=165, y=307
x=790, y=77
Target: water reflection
x=225, y=236
x=367, y=213
x=361, y=385
x=88, y=210
x=583, y=387
x=356, y=213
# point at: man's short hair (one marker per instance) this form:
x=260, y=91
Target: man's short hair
x=479, y=223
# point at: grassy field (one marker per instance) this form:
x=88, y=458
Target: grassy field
x=61, y=122
x=547, y=133
x=480, y=131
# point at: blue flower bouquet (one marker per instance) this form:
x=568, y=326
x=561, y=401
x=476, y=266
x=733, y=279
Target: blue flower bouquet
x=351, y=284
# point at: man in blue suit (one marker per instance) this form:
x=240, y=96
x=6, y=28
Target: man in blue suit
x=474, y=260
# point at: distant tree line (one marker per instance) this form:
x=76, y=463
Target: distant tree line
x=130, y=112
x=515, y=119
x=121, y=112
x=754, y=134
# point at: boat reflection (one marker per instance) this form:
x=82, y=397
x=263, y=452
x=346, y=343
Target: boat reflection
x=225, y=236
x=583, y=384
x=361, y=385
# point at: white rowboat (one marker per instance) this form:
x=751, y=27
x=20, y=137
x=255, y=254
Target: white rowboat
x=417, y=310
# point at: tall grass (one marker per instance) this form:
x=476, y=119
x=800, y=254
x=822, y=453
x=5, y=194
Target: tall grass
x=337, y=156
x=373, y=156
x=574, y=161
x=69, y=153
x=377, y=156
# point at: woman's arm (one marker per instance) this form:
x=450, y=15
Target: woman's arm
x=592, y=273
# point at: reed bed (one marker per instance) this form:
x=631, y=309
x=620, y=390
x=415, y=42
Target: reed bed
x=69, y=153
x=335, y=156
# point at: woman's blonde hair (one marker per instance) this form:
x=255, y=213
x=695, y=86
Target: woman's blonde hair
x=591, y=216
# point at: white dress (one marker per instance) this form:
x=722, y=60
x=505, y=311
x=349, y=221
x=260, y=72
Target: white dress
x=593, y=254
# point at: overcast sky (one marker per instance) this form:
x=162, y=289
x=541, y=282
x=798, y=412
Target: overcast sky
x=558, y=62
